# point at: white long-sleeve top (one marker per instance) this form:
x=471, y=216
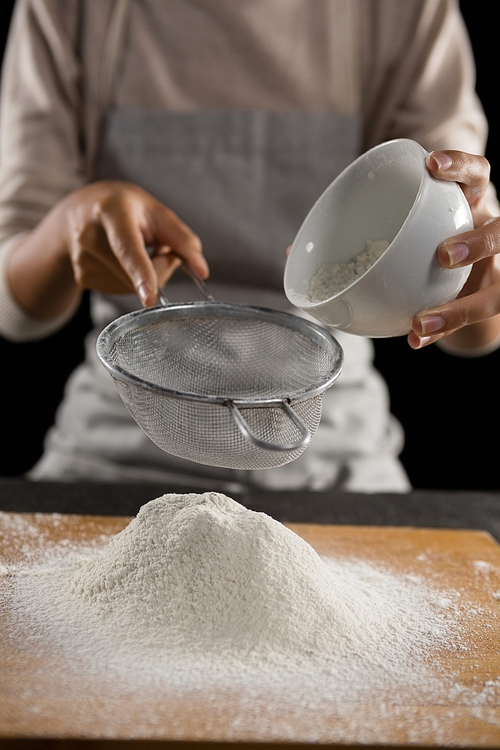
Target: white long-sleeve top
x=405, y=67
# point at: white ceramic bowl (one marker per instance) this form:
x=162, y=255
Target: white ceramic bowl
x=386, y=194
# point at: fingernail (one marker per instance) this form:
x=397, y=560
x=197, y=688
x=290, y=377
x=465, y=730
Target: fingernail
x=457, y=253
x=144, y=292
x=204, y=269
x=432, y=323
x=443, y=161
x=423, y=340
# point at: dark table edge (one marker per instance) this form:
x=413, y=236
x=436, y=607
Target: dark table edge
x=419, y=508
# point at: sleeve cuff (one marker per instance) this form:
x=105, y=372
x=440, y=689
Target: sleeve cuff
x=15, y=323
x=480, y=351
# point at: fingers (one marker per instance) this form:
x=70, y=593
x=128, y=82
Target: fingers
x=133, y=219
x=165, y=263
x=471, y=247
x=95, y=266
x=431, y=325
x=479, y=301
x=170, y=230
x=128, y=246
x=472, y=172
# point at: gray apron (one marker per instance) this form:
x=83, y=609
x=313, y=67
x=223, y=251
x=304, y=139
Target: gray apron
x=243, y=181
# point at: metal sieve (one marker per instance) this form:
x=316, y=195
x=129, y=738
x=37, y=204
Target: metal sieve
x=222, y=384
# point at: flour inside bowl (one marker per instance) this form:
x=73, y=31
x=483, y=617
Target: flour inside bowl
x=332, y=278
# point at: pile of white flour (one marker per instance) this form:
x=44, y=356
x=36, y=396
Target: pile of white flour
x=332, y=278
x=197, y=587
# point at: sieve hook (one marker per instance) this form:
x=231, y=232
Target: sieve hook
x=245, y=429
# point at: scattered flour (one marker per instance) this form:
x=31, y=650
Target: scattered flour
x=198, y=583
x=198, y=592
x=332, y=278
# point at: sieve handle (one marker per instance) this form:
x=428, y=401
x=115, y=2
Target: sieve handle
x=245, y=429
x=195, y=278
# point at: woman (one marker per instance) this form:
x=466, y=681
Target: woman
x=132, y=128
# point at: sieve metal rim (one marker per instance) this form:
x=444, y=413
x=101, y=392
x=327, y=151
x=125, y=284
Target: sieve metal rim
x=110, y=334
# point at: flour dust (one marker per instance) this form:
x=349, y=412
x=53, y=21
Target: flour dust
x=198, y=592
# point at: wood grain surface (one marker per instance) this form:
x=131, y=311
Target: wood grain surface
x=41, y=700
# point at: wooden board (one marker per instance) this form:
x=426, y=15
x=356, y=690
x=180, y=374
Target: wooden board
x=40, y=701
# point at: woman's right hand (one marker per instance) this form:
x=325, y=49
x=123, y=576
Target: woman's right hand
x=96, y=238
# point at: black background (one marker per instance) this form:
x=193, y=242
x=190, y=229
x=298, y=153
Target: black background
x=449, y=407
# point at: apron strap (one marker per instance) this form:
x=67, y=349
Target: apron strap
x=109, y=68
x=112, y=52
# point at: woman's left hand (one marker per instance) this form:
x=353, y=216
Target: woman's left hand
x=472, y=320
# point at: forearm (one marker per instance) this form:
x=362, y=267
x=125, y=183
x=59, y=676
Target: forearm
x=40, y=274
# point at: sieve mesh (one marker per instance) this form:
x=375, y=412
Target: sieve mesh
x=176, y=367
